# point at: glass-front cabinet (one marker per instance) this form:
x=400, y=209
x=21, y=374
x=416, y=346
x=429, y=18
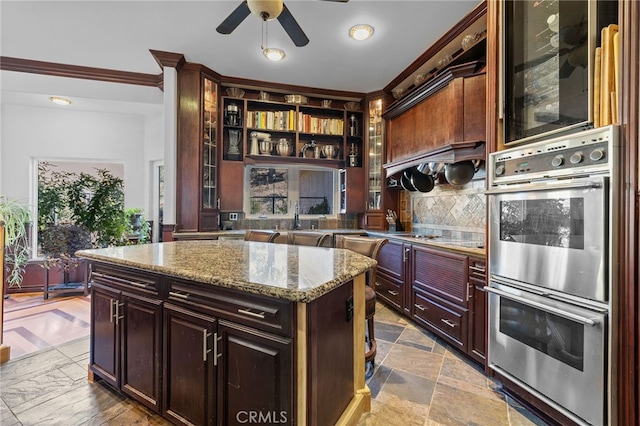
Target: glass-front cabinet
x=209, y=144
x=549, y=59
x=376, y=144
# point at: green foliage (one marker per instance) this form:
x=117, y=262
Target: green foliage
x=17, y=221
x=320, y=208
x=93, y=202
x=137, y=226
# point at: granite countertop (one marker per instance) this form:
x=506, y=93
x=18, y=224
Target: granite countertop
x=476, y=248
x=238, y=233
x=295, y=273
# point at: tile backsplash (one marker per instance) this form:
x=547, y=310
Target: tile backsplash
x=450, y=211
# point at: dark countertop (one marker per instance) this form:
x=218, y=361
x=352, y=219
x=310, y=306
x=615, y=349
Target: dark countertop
x=295, y=273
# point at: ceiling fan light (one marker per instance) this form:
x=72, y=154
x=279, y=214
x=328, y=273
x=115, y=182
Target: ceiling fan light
x=273, y=54
x=266, y=9
x=59, y=101
x=361, y=32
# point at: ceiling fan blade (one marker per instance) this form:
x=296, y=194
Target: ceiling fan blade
x=292, y=28
x=234, y=19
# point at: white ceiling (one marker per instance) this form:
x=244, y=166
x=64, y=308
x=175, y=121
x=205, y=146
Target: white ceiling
x=118, y=35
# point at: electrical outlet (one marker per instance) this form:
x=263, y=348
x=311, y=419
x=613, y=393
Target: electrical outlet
x=233, y=216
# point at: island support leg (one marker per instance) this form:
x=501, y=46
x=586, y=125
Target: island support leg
x=361, y=402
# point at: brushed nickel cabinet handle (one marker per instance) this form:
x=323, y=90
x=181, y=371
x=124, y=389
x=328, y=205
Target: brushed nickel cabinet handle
x=247, y=311
x=478, y=269
x=216, y=355
x=422, y=308
x=205, y=349
x=448, y=322
x=111, y=301
x=393, y=293
x=180, y=295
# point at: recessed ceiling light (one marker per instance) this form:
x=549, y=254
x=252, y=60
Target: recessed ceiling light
x=273, y=53
x=59, y=101
x=361, y=32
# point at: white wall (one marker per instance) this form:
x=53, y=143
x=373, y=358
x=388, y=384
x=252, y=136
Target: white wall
x=54, y=133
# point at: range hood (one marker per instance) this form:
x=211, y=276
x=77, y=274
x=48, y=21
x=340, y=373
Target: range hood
x=441, y=121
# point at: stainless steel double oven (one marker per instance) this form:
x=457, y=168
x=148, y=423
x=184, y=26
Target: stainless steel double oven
x=551, y=294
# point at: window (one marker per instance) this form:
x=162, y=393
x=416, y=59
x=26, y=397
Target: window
x=274, y=191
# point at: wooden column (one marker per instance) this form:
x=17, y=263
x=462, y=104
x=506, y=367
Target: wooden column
x=4, y=350
x=628, y=378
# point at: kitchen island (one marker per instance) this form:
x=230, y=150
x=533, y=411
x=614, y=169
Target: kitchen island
x=231, y=332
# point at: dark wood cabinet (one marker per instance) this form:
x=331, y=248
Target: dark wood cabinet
x=441, y=290
x=105, y=362
x=477, y=309
x=254, y=375
x=390, y=285
x=189, y=367
x=126, y=342
x=196, y=154
x=204, y=355
x=439, y=285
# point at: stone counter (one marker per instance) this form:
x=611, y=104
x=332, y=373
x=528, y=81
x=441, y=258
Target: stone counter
x=468, y=247
x=295, y=273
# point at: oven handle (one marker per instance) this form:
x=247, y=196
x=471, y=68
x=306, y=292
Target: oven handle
x=586, y=321
x=518, y=285
x=549, y=187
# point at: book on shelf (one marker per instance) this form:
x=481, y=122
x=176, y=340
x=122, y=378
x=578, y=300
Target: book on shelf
x=271, y=120
x=327, y=126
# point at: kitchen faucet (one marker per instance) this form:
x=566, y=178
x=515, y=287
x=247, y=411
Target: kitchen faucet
x=296, y=217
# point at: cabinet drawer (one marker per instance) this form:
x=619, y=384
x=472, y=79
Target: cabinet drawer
x=125, y=278
x=440, y=273
x=261, y=312
x=441, y=316
x=389, y=291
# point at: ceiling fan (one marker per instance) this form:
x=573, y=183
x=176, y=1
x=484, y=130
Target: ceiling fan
x=267, y=10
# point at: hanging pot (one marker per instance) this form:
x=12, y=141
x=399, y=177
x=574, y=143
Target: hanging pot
x=423, y=182
x=405, y=181
x=459, y=173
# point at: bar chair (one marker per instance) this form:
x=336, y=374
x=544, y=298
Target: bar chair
x=264, y=236
x=370, y=247
x=302, y=238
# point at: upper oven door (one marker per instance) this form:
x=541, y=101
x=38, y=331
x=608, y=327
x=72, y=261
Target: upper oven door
x=552, y=235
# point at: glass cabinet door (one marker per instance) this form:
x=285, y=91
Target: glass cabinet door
x=549, y=48
x=209, y=126
x=376, y=150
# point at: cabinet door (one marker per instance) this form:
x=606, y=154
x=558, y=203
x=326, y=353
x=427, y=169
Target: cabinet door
x=105, y=342
x=440, y=273
x=189, y=367
x=141, y=349
x=477, y=310
x=390, y=275
x=254, y=376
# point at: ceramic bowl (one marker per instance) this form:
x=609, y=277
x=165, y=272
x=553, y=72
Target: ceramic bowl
x=235, y=92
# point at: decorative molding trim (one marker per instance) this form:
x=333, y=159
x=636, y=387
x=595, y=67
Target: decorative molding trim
x=168, y=59
x=454, y=32
x=76, y=71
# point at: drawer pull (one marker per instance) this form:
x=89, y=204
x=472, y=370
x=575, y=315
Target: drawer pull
x=422, y=308
x=251, y=314
x=393, y=293
x=205, y=349
x=180, y=295
x=449, y=323
x=119, y=280
x=111, y=302
x=478, y=269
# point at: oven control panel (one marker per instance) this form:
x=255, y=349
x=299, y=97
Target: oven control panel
x=589, y=152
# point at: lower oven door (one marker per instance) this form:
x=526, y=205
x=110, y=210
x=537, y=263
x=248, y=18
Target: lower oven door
x=553, y=234
x=556, y=349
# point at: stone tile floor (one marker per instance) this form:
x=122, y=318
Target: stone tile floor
x=417, y=380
